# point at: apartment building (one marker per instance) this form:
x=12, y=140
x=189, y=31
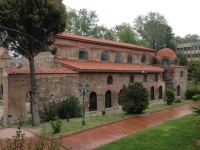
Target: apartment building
x=191, y=50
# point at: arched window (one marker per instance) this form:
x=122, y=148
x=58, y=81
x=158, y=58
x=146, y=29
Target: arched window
x=118, y=58
x=131, y=79
x=109, y=80
x=152, y=93
x=165, y=62
x=178, y=90
x=83, y=54
x=93, y=101
x=108, y=99
x=143, y=60
x=160, y=92
x=145, y=78
x=181, y=74
x=176, y=61
x=156, y=78
x=129, y=59
x=104, y=56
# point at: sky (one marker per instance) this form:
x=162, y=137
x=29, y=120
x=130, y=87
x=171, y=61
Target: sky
x=182, y=15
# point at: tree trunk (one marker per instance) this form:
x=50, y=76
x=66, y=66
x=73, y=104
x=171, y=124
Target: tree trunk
x=33, y=94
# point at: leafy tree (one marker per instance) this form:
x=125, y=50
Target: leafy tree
x=31, y=26
x=125, y=33
x=169, y=38
x=194, y=72
x=152, y=28
x=103, y=32
x=182, y=57
x=134, y=98
x=187, y=39
x=82, y=22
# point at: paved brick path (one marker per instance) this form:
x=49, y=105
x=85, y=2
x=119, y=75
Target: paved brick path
x=100, y=136
x=94, y=138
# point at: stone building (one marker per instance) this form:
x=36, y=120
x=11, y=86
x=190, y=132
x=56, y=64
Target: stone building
x=105, y=65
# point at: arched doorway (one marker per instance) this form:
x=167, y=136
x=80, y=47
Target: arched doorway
x=160, y=92
x=93, y=101
x=108, y=99
x=152, y=93
x=178, y=90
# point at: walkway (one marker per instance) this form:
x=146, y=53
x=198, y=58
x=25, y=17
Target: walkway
x=91, y=139
x=94, y=138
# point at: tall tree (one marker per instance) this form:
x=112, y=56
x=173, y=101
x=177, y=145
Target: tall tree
x=125, y=33
x=152, y=28
x=82, y=22
x=187, y=38
x=182, y=57
x=31, y=26
x=169, y=38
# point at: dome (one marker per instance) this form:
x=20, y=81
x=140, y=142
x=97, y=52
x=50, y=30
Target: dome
x=166, y=52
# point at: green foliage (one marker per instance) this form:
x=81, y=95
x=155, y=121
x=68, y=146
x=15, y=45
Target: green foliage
x=71, y=106
x=187, y=38
x=195, y=98
x=56, y=125
x=196, y=109
x=103, y=112
x=50, y=111
x=65, y=109
x=154, y=29
x=19, y=140
x=134, y=98
x=182, y=57
x=169, y=96
x=190, y=92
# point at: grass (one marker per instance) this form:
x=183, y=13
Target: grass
x=177, y=134
x=74, y=125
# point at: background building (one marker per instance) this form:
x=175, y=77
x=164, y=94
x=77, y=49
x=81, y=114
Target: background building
x=191, y=50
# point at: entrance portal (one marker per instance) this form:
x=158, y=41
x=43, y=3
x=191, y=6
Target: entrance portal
x=93, y=101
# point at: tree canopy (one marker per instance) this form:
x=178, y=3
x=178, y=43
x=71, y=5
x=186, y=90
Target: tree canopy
x=187, y=38
x=154, y=29
x=31, y=26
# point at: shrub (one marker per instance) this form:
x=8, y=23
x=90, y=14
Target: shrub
x=134, y=98
x=56, y=125
x=103, y=112
x=196, y=109
x=69, y=107
x=191, y=92
x=195, y=97
x=169, y=96
x=50, y=111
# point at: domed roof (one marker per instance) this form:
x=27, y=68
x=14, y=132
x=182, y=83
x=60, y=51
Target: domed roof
x=166, y=52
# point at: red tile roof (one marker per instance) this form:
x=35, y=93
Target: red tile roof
x=98, y=66
x=38, y=71
x=99, y=41
x=166, y=52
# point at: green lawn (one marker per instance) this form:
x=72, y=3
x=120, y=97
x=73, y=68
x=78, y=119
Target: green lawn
x=179, y=134
x=74, y=125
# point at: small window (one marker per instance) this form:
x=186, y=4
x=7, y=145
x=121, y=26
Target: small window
x=131, y=79
x=129, y=59
x=176, y=61
x=104, y=56
x=83, y=54
x=118, y=58
x=156, y=78
x=165, y=62
x=181, y=74
x=145, y=78
x=143, y=60
x=110, y=80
